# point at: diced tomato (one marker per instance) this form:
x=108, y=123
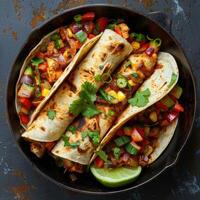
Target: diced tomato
x=24, y=118
x=99, y=162
x=143, y=47
x=172, y=116
x=141, y=131
x=89, y=16
x=120, y=132
x=88, y=27
x=25, y=102
x=127, y=131
x=117, y=30
x=43, y=67
x=78, y=44
x=161, y=106
x=164, y=123
x=40, y=55
x=90, y=36
x=136, y=137
x=49, y=145
x=178, y=107
x=102, y=23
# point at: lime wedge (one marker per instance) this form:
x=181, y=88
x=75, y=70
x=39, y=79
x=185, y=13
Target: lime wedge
x=115, y=177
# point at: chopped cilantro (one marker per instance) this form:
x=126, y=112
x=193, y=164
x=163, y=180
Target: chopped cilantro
x=51, y=114
x=72, y=129
x=90, y=111
x=84, y=134
x=68, y=144
x=66, y=140
x=102, y=155
x=173, y=80
x=128, y=64
x=111, y=113
x=94, y=135
x=135, y=75
x=140, y=99
x=101, y=67
x=117, y=152
x=36, y=61
x=105, y=96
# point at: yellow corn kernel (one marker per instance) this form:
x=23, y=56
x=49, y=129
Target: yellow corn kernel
x=69, y=32
x=45, y=92
x=131, y=83
x=153, y=116
x=120, y=96
x=114, y=95
x=135, y=45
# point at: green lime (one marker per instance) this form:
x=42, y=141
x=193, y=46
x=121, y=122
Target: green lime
x=115, y=177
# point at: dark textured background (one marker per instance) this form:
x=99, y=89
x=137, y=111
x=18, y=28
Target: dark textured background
x=17, y=179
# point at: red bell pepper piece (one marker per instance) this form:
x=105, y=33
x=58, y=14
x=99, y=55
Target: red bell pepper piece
x=117, y=30
x=102, y=23
x=178, y=108
x=89, y=16
x=25, y=102
x=136, y=137
x=143, y=47
x=43, y=67
x=24, y=118
x=90, y=36
x=120, y=132
x=161, y=106
x=172, y=116
x=99, y=162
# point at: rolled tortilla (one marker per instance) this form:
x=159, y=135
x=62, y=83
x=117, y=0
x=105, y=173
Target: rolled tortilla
x=77, y=58
x=109, y=52
x=160, y=84
x=100, y=123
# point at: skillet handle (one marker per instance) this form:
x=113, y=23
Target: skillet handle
x=162, y=19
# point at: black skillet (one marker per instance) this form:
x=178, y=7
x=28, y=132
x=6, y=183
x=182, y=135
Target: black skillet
x=140, y=23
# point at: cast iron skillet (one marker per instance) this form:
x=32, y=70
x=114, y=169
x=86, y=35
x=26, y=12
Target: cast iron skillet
x=86, y=183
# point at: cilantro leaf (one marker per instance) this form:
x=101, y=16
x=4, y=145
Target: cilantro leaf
x=66, y=140
x=74, y=144
x=90, y=111
x=89, y=87
x=117, y=152
x=93, y=135
x=72, y=129
x=173, y=80
x=140, y=99
x=102, y=155
x=76, y=107
x=135, y=75
x=84, y=134
x=36, y=61
x=85, y=103
x=51, y=114
x=68, y=144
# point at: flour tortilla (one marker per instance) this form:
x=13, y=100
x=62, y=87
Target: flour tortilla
x=77, y=58
x=109, y=51
x=159, y=85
